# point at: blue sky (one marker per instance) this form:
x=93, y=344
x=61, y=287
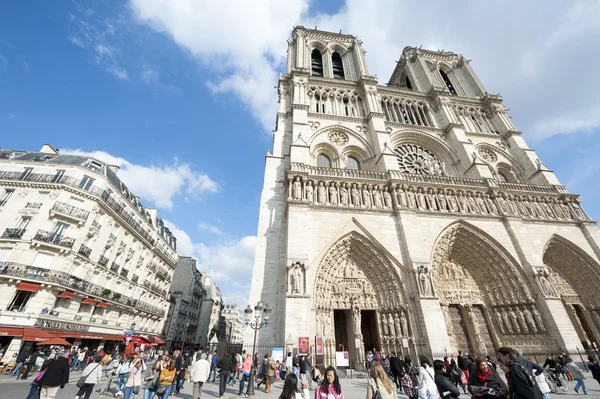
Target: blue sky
x=180, y=93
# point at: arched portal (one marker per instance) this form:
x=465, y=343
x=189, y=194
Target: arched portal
x=359, y=300
x=575, y=276
x=485, y=296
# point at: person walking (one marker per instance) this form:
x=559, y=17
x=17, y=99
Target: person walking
x=520, y=384
x=456, y=374
x=330, y=388
x=425, y=378
x=34, y=390
x=199, y=374
x=307, y=372
x=30, y=364
x=540, y=379
x=379, y=382
x=21, y=358
x=445, y=387
x=151, y=380
x=484, y=380
x=290, y=388
x=165, y=380
x=270, y=374
x=56, y=376
x=134, y=379
x=213, y=365
x=577, y=375
x=224, y=364
x=93, y=376
x=122, y=374
x=594, y=368
x=246, y=368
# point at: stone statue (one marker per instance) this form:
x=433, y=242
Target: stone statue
x=321, y=193
x=384, y=325
x=309, y=192
x=503, y=204
x=333, y=199
x=377, y=201
x=397, y=325
x=391, y=324
x=357, y=321
x=515, y=321
x=507, y=322
x=463, y=203
x=441, y=199
x=490, y=205
x=412, y=199
x=522, y=321
x=387, y=198
x=402, y=200
x=481, y=203
x=404, y=324
x=452, y=202
x=421, y=200
x=355, y=195
x=538, y=319
x=344, y=195
x=297, y=189
x=297, y=287
x=500, y=322
x=472, y=203
x=431, y=203
x=530, y=320
x=547, y=288
x=366, y=197
x=424, y=281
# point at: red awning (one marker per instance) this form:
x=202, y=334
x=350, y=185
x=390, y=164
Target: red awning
x=101, y=305
x=28, y=287
x=112, y=337
x=158, y=340
x=87, y=335
x=88, y=301
x=35, y=334
x=11, y=332
x=139, y=340
x=66, y=294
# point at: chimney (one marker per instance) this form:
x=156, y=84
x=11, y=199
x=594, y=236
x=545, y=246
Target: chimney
x=113, y=168
x=48, y=149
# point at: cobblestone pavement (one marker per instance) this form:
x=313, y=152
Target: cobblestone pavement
x=353, y=389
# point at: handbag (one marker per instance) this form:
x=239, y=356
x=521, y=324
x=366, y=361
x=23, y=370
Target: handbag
x=136, y=389
x=161, y=389
x=81, y=380
x=376, y=394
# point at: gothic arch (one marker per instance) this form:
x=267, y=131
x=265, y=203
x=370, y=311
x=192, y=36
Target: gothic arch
x=476, y=279
x=326, y=149
x=509, y=163
x=428, y=142
x=316, y=44
x=323, y=134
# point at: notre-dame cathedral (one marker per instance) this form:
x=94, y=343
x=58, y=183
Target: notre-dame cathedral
x=412, y=216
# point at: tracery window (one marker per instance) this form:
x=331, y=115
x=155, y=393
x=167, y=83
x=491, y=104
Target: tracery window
x=415, y=159
x=405, y=111
x=352, y=163
x=338, y=66
x=316, y=61
x=323, y=161
x=448, y=83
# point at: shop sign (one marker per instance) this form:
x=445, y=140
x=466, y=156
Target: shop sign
x=60, y=325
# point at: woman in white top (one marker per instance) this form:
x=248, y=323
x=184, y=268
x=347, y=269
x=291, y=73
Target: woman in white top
x=93, y=374
x=427, y=387
x=379, y=381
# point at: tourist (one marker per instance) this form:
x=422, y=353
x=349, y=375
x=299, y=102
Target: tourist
x=93, y=376
x=282, y=371
x=199, y=374
x=330, y=388
x=290, y=388
x=594, y=368
x=409, y=380
x=379, y=382
x=151, y=379
x=531, y=367
x=484, y=382
x=270, y=374
x=456, y=374
x=213, y=365
x=246, y=369
x=463, y=363
x=134, y=380
x=369, y=359
x=540, y=379
x=122, y=374
x=445, y=387
x=397, y=369
x=577, y=375
x=520, y=385
x=426, y=388
x=34, y=390
x=165, y=380
x=296, y=365
x=224, y=364
x=56, y=376
x=289, y=363
x=30, y=364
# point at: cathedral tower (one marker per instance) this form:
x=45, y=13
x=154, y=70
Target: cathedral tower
x=412, y=216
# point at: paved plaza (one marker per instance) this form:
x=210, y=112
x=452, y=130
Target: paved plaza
x=352, y=388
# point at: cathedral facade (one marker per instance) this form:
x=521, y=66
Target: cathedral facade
x=412, y=216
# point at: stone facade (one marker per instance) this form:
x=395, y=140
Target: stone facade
x=80, y=256
x=232, y=316
x=413, y=216
x=188, y=293
x=210, y=313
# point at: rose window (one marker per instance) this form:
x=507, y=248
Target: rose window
x=417, y=160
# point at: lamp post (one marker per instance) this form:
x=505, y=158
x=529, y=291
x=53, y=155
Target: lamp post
x=256, y=325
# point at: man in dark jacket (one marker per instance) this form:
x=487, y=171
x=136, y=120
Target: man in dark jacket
x=30, y=364
x=396, y=367
x=520, y=383
x=56, y=375
x=178, y=365
x=594, y=368
x=225, y=365
x=23, y=355
x=445, y=387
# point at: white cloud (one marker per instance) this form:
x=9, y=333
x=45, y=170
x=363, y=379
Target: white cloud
x=210, y=228
x=542, y=63
x=149, y=75
x=157, y=184
x=184, y=242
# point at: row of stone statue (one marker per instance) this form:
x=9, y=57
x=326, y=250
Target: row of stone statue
x=394, y=324
x=520, y=319
x=370, y=196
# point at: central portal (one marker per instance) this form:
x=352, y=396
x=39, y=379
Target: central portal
x=369, y=331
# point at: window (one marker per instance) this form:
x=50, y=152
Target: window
x=502, y=177
x=86, y=183
x=323, y=161
x=316, y=61
x=23, y=223
x=352, y=163
x=408, y=85
x=94, y=165
x=58, y=176
x=338, y=66
x=83, y=308
x=42, y=260
x=4, y=254
x=58, y=229
x=5, y=196
x=75, y=202
x=26, y=173
x=41, y=197
x=448, y=82
x=19, y=301
x=74, y=267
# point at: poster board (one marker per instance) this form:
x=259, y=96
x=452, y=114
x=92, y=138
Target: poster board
x=303, y=345
x=319, y=346
x=277, y=354
x=342, y=359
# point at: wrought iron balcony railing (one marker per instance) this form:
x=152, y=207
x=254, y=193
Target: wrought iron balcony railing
x=13, y=233
x=115, y=267
x=33, y=205
x=54, y=239
x=124, y=273
x=70, y=211
x=85, y=251
x=135, y=278
x=103, y=260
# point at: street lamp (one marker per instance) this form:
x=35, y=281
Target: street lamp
x=256, y=325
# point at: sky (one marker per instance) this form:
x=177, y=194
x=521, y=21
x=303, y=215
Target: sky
x=180, y=93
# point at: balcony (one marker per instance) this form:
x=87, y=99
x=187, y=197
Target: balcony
x=152, y=266
x=96, y=224
x=115, y=267
x=13, y=233
x=33, y=205
x=162, y=273
x=69, y=212
x=124, y=273
x=48, y=237
x=135, y=278
x=85, y=251
x=103, y=260
x=155, y=288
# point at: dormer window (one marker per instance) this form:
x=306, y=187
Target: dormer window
x=338, y=66
x=316, y=61
x=448, y=83
x=94, y=165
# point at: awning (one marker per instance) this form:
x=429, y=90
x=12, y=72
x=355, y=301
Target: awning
x=136, y=339
x=28, y=287
x=11, y=332
x=157, y=339
x=35, y=334
x=101, y=305
x=88, y=301
x=88, y=335
x=66, y=294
